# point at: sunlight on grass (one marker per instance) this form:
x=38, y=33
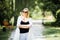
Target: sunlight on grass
x=53, y=38
x=52, y=33
x=4, y=35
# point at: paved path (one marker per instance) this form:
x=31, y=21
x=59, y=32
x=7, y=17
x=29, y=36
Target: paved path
x=36, y=31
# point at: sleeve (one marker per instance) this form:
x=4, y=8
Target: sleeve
x=30, y=22
x=18, y=21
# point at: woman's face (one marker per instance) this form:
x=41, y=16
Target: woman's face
x=25, y=13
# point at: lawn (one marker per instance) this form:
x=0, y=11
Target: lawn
x=52, y=33
x=4, y=35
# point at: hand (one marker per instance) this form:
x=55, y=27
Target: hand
x=24, y=26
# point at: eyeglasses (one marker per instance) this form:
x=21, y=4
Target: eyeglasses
x=25, y=11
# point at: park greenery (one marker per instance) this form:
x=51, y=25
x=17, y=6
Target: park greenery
x=39, y=9
x=48, y=10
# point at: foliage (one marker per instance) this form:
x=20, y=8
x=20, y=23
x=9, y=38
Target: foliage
x=36, y=7
x=6, y=10
x=4, y=35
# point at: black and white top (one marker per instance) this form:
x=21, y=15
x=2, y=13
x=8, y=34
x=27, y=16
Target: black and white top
x=21, y=22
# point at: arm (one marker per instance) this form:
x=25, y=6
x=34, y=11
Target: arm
x=23, y=26
x=18, y=22
x=29, y=25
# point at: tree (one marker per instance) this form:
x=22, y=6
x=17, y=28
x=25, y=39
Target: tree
x=6, y=10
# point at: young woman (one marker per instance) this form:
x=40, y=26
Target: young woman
x=24, y=23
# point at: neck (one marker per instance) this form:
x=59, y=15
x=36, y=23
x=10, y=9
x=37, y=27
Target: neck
x=25, y=16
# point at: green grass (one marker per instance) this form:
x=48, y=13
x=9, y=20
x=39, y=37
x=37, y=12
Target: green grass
x=53, y=38
x=4, y=35
x=52, y=33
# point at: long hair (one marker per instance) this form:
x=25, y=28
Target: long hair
x=25, y=9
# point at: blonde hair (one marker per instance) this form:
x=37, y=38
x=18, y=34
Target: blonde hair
x=28, y=15
x=26, y=9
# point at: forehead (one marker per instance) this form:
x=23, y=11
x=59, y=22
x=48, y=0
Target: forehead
x=25, y=9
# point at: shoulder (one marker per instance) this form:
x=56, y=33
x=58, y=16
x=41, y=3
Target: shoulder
x=19, y=16
x=30, y=19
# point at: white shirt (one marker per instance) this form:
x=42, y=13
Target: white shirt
x=17, y=31
x=20, y=18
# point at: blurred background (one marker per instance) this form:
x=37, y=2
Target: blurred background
x=46, y=10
